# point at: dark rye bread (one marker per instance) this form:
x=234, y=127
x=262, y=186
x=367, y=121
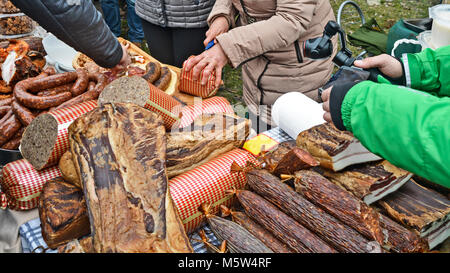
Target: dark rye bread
x=132, y=89
x=119, y=151
x=39, y=139
x=62, y=211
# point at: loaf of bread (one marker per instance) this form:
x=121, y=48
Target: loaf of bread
x=62, y=211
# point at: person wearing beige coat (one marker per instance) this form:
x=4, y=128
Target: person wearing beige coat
x=266, y=41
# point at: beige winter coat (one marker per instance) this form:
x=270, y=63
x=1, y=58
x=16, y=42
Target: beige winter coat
x=270, y=49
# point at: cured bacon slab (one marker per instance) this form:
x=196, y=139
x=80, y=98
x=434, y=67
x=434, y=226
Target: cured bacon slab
x=421, y=209
x=119, y=154
x=334, y=149
x=371, y=181
x=209, y=136
x=400, y=239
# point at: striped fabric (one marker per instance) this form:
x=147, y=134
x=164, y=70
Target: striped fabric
x=189, y=86
x=22, y=184
x=188, y=188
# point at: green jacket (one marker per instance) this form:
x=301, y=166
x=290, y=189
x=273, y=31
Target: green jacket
x=407, y=127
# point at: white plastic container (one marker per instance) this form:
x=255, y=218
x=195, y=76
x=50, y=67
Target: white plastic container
x=440, y=31
x=424, y=39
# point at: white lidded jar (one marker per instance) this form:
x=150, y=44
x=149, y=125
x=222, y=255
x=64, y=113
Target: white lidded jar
x=440, y=31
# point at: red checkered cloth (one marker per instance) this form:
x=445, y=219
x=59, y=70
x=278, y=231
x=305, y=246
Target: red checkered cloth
x=208, y=106
x=22, y=184
x=165, y=105
x=64, y=118
x=207, y=183
x=189, y=86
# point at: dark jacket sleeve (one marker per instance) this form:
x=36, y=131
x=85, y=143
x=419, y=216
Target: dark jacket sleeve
x=77, y=23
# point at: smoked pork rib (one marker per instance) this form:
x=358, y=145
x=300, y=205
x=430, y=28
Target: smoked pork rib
x=119, y=154
x=422, y=209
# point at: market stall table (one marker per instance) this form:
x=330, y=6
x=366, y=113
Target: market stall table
x=31, y=234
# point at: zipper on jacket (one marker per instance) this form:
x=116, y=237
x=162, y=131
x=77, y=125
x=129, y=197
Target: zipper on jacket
x=258, y=82
x=298, y=52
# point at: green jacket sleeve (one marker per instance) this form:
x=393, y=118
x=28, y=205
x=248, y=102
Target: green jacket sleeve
x=409, y=128
x=428, y=70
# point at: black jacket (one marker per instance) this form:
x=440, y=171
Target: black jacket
x=77, y=23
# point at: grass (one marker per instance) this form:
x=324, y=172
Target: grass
x=387, y=13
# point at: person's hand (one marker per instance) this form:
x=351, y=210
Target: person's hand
x=210, y=60
x=124, y=62
x=388, y=65
x=326, y=104
x=218, y=26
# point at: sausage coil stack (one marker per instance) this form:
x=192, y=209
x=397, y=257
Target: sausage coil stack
x=48, y=91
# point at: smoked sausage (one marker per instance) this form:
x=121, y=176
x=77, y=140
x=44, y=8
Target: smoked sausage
x=81, y=83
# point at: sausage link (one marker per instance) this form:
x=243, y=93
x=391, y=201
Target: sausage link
x=35, y=102
x=55, y=90
x=89, y=95
x=101, y=81
x=92, y=94
x=4, y=109
x=153, y=72
x=51, y=81
x=5, y=89
x=81, y=83
x=7, y=101
x=164, y=80
x=14, y=142
x=24, y=115
x=9, y=128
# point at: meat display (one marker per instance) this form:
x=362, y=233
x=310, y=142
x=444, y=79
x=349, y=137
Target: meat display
x=206, y=138
x=339, y=203
x=421, y=209
x=371, y=181
x=62, y=211
x=119, y=154
x=334, y=149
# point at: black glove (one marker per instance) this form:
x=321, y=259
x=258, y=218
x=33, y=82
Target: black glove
x=337, y=96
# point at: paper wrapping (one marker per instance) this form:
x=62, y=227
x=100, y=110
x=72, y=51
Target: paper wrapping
x=165, y=105
x=294, y=113
x=22, y=184
x=208, y=106
x=189, y=86
x=207, y=184
x=64, y=118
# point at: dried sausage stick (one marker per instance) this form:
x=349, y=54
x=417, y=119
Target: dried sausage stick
x=9, y=127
